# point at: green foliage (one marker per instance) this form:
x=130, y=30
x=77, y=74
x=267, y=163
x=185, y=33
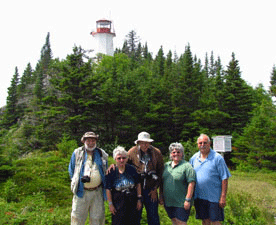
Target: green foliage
x=173, y=98
x=33, y=210
x=256, y=145
x=238, y=101
x=240, y=211
x=34, y=174
x=273, y=82
x=66, y=146
x=11, y=111
x=190, y=148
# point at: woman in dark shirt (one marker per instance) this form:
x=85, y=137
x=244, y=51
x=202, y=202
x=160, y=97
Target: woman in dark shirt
x=123, y=189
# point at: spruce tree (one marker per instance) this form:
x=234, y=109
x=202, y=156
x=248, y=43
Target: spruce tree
x=186, y=95
x=42, y=70
x=132, y=42
x=159, y=63
x=238, y=102
x=256, y=145
x=11, y=113
x=272, y=87
x=25, y=87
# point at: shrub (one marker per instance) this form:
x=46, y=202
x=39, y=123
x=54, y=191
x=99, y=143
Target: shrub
x=66, y=146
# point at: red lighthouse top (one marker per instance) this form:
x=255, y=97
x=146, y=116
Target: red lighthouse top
x=104, y=26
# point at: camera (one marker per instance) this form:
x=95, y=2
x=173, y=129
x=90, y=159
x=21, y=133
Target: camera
x=85, y=179
x=149, y=175
x=153, y=175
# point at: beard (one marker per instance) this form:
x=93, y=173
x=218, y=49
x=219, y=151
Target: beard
x=89, y=148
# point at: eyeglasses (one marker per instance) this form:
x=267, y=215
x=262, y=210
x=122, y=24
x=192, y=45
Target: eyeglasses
x=205, y=143
x=176, y=152
x=119, y=158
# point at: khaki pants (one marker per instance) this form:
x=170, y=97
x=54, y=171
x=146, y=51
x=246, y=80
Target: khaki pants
x=92, y=202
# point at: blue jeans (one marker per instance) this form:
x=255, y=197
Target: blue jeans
x=151, y=208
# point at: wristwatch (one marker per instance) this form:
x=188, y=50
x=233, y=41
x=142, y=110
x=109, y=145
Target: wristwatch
x=140, y=198
x=188, y=199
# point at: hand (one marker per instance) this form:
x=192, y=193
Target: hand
x=222, y=202
x=187, y=205
x=139, y=205
x=111, y=167
x=112, y=209
x=153, y=195
x=161, y=200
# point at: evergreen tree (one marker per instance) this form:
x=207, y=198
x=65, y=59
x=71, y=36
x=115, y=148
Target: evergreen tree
x=212, y=65
x=256, y=145
x=160, y=63
x=272, y=87
x=25, y=88
x=25, y=80
x=238, y=102
x=145, y=53
x=42, y=69
x=125, y=48
x=11, y=113
x=186, y=96
x=69, y=104
x=206, y=66
x=132, y=42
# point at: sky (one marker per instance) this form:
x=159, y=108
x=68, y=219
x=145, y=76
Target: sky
x=245, y=27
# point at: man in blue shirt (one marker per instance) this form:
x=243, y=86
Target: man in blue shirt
x=211, y=184
x=87, y=169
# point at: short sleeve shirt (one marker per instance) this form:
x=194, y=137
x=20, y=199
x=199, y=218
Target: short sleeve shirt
x=209, y=175
x=128, y=179
x=175, y=183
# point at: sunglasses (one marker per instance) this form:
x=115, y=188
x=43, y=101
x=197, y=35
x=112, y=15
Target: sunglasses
x=203, y=143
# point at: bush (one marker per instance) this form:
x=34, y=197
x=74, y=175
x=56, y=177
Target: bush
x=190, y=148
x=66, y=146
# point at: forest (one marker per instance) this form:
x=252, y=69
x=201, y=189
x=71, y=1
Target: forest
x=174, y=98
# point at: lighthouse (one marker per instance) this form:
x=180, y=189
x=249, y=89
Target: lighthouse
x=104, y=35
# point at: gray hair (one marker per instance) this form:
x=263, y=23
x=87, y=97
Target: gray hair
x=119, y=150
x=177, y=146
x=203, y=135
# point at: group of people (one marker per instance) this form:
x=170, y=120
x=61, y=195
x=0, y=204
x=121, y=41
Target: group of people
x=140, y=178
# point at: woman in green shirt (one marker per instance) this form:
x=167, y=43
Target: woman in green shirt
x=178, y=185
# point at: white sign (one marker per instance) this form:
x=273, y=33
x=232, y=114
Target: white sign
x=222, y=143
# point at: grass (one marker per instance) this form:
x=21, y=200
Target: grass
x=260, y=189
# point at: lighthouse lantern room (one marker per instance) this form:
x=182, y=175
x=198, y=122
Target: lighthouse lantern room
x=104, y=35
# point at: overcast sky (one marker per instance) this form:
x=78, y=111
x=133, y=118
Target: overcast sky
x=244, y=27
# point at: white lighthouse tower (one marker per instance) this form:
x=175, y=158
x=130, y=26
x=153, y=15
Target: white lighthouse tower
x=104, y=35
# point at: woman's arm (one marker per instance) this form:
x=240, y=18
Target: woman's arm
x=189, y=195
x=139, y=195
x=110, y=203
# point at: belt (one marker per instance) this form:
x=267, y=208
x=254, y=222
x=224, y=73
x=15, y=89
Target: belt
x=92, y=189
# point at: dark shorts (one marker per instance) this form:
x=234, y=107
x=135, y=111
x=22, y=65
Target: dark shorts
x=178, y=213
x=208, y=210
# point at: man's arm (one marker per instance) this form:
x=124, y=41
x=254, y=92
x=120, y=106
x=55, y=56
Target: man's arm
x=224, y=186
x=71, y=167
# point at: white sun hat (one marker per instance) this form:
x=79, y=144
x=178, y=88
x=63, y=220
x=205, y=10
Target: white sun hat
x=143, y=136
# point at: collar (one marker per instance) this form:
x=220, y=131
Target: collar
x=210, y=155
x=180, y=162
x=140, y=153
